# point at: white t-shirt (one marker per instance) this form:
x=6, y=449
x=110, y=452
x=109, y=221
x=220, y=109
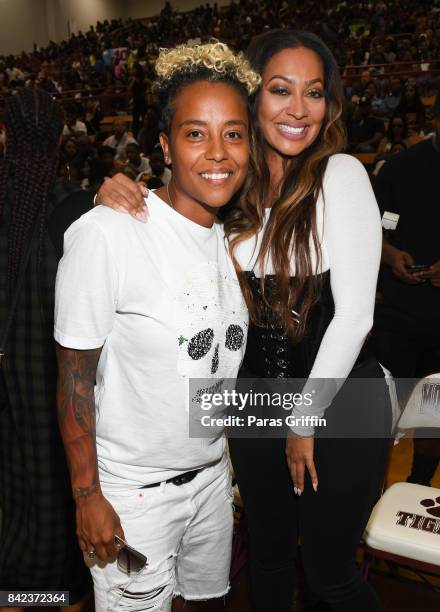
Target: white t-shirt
x=160, y=297
x=120, y=144
x=79, y=127
x=350, y=235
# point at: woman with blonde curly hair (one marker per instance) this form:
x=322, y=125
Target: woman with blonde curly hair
x=306, y=241
x=141, y=309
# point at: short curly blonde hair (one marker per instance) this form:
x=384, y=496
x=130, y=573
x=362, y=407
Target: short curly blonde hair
x=213, y=62
x=216, y=57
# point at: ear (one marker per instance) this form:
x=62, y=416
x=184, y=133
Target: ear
x=165, y=144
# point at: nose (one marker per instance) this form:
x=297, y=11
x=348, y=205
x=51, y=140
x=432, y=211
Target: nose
x=216, y=149
x=297, y=106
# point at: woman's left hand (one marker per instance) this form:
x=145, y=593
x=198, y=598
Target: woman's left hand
x=299, y=454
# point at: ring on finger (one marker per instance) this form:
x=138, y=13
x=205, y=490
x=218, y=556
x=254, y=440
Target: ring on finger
x=91, y=554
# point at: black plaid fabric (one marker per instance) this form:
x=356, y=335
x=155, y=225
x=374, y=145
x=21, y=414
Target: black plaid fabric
x=38, y=546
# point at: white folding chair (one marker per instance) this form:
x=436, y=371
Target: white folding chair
x=404, y=526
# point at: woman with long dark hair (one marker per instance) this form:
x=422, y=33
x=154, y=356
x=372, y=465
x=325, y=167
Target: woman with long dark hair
x=38, y=548
x=306, y=241
x=310, y=286
x=397, y=132
x=412, y=108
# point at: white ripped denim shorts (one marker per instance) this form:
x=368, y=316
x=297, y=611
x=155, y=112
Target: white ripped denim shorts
x=185, y=532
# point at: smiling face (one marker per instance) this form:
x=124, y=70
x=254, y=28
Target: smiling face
x=291, y=106
x=208, y=147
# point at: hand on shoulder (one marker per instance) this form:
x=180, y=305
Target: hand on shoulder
x=124, y=195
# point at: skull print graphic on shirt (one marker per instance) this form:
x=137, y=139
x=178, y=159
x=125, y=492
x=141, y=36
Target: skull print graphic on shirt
x=211, y=321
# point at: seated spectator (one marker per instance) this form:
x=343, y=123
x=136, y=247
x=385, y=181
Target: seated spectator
x=393, y=97
x=85, y=148
x=120, y=138
x=158, y=174
x=93, y=116
x=73, y=126
x=134, y=158
x=95, y=171
x=397, y=132
x=388, y=50
x=365, y=131
x=68, y=156
x=149, y=134
x=412, y=107
x=68, y=149
x=372, y=92
x=66, y=181
x=107, y=155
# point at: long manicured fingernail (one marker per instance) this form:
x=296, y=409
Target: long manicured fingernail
x=315, y=487
x=144, y=191
x=142, y=215
x=299, y=492
x=295, y=490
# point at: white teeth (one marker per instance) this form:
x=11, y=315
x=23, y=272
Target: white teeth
x=290, y=130
x=215, y=176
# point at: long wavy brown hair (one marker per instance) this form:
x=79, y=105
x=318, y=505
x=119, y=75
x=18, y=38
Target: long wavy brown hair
x=292, y=226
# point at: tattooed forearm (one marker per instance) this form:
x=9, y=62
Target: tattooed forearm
x=76, y=378
x=76, y=415
x=84, y=491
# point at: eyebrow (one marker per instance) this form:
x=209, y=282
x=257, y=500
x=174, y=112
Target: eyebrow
x=199, y=122
x=289, y=80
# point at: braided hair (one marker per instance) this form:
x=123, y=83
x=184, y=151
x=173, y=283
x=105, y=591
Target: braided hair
x=33, y=123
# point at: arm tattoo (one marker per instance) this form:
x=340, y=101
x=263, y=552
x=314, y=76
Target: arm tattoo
x=76, y=416
x=77, y=371
x=84, y=491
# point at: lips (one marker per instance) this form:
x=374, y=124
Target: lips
x=216, y=177
x=293, y=132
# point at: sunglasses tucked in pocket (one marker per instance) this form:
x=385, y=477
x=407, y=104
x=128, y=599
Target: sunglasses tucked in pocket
x=129, y=559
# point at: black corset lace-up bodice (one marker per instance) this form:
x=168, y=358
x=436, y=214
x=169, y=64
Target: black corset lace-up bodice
x=272, y=354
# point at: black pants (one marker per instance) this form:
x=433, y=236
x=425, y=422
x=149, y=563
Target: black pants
x=329, y=523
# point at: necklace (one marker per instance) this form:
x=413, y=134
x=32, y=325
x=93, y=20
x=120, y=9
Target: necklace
x=169, y=197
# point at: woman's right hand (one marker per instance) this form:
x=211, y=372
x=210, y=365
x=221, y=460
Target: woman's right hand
x=97, y=523
x=124, y=195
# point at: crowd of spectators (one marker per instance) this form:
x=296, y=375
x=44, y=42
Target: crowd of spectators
x=388, y=53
